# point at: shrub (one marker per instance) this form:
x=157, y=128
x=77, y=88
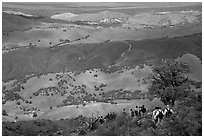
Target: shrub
x=4, y=113
x=18, y=103
x=35, y=114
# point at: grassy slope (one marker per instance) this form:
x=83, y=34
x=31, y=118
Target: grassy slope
x=19, y=23
x=14, y=23
x=182, y=123
x=26, y=60
x=21, y=62
x=170, y=47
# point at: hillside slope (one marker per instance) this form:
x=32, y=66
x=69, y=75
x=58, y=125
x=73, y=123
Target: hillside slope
x=15, y=23
x=79, y=57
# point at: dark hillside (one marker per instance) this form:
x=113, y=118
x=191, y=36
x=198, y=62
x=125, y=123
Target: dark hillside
x=40, y=60
x=170, y=47
x=15, y=23
x=85, y=56
x=21, y=23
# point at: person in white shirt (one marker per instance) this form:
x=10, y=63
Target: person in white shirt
x=157, y=115
x=168, y=111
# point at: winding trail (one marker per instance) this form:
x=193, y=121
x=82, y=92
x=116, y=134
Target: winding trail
x=130, y=46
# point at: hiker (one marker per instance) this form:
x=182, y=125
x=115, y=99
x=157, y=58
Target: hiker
x=139, y=110
x=96, y=119
x=95, y=123
x=157, y=115
x=142, y=110
x=132, y=113
x=101, y=120
x=136, y=111
x=168, y=111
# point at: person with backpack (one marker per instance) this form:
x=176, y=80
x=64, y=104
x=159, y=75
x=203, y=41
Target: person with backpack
x=168, y=111
x=101, y=120
x=142, y=110
x=136, y=110
x=157, y=115
x=132, y=113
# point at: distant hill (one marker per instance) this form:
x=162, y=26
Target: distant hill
x=64, y=16
x=15, y=23
x=90, y=16
x=194, y=64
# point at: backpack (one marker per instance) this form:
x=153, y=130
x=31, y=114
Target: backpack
x=143, y=110
x=160, y=115
x=136, y=113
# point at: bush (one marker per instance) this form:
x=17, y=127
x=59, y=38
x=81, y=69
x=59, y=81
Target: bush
x=4, y=113
x=35, y=114
x=18, y=103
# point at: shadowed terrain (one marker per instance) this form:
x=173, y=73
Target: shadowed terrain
x=42, y=60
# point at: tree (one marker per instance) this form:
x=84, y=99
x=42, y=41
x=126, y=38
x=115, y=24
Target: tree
x=169, y=81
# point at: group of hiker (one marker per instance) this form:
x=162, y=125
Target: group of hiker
x=138, y=111
x=158, y=114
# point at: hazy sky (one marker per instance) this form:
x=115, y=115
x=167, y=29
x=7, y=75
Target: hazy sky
x=97, y=4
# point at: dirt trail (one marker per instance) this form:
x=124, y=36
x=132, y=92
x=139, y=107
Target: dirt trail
x=130, y=46
x=117, y=64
